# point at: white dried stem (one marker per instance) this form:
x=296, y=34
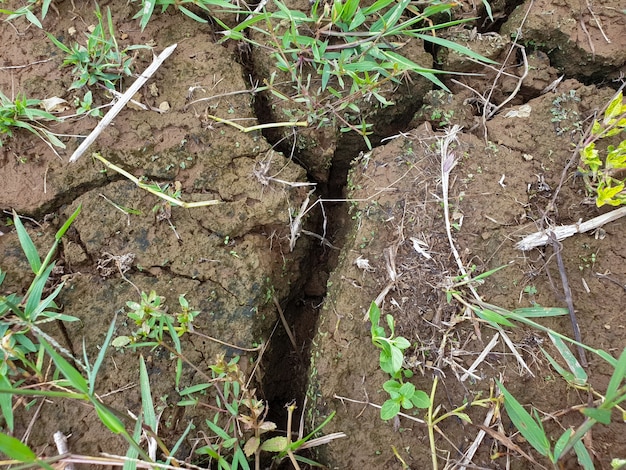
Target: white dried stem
x=542, y=238
x=125, y=98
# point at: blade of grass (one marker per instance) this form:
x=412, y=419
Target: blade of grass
x=27, y=244
x=525, y=423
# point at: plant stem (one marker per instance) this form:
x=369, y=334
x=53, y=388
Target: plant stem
x=431, y=424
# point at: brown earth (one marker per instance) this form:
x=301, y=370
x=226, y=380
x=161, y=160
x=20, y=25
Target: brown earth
x=229, y=259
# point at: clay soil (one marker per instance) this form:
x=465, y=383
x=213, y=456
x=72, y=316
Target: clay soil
x=514, y=175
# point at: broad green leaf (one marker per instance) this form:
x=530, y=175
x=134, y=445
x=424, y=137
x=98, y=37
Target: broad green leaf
x=389, y=410
x=524, y=422
x=275, y=444
x=601, y=415
x=614, y=109
x=396, y=360
x=15, y=449
x=421, y=399
x=27, y=244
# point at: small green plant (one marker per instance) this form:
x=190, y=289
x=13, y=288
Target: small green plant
x=605, y=177
x=20, y=317
x=85, y=106
x=25, y=113
x=401, y=394
x=100, y=60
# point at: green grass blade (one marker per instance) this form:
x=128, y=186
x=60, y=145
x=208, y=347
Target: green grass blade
x=41, y=307
x=617, y=377
x=584, y=459
x=493, y=317
x=15, y=449
x=96, y=365
x=179, y=442
x=70, y=373
x=525, y=424
x=6, y=404
x=568, y=376
x=561, y=443
x=541, y=312
x=132, y=453
x=456, y=48
x=146, y=396
x=67, y=223
x=34, y=294
x=571, y=361
x=27, y=244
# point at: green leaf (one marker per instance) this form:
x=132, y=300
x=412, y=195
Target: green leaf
x=67, y=223
x=16, y=449
x=614, y=108
x=6, y=403
x=568, y=376
x=493, y=317
x=616, y=378
x=561, y=443
x=396, y=360
x=70, y=373
x=455, y=47
x=275, y=444
x=146, y=396
x=27, y=244
x=421, y=399
x=194, y=389
x=601, y=415
x=389, y=410
x=108, y=418
x=541, y=312
x=580, y=376
x=525, y=424
x=584, y=459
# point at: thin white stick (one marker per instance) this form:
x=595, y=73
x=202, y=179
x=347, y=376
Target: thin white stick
x=564, y=231
x=481, y=357
x=114, y=111
x=469, y=455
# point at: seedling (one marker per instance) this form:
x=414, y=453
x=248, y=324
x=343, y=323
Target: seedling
x=401, y=394
x=25, y=113
x=100, y=60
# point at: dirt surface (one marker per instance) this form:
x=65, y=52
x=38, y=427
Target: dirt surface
x=232, y=260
